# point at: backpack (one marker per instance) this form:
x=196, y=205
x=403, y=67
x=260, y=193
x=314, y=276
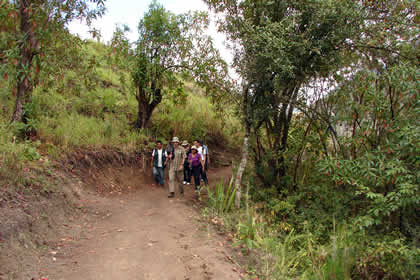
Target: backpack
x=170, y=150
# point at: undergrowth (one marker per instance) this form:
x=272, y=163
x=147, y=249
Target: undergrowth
x=22, y=167
x=273, y=251
x=196, y=118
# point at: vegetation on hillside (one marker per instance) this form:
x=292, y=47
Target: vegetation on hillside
x=328, y=183
x=330, y=104
x=84, y=98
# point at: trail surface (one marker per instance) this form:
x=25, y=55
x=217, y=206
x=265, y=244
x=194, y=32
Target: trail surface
x=142, y=235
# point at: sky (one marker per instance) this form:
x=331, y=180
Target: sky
x=129, y=12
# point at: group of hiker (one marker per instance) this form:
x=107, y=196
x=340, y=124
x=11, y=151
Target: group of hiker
x=185, y=162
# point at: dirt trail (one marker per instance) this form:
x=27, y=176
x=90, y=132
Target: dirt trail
x=142, y=235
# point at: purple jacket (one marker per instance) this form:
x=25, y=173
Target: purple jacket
x=196, y=161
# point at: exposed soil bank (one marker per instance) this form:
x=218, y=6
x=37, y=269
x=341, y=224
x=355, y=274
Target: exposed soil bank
x=112, y=223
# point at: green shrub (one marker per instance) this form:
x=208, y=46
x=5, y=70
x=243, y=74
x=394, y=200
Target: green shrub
x=390, y=258
x=197, y=118
x=51, y=102
x=221, y=197
x=281, y=257
x=250, y=230
x=109, y=76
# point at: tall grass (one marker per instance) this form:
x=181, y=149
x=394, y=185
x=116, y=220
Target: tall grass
x=277, y=254
x=197, y=118
x=221, y=198
x=75, y=130
x=111, y=77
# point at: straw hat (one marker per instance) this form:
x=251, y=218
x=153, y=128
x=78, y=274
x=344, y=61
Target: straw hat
x=185, y=143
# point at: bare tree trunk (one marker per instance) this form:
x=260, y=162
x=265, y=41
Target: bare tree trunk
x=300, y=153
x=141, y=114
x=241, y=169
x=245, y=149
x=27, y=50
x=144, y=162
x=145, y=107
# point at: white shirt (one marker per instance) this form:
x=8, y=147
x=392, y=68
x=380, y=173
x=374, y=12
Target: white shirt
x=202, y=152
x=159, y=164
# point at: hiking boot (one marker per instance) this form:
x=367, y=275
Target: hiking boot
x=188, y=183
x=171, y=194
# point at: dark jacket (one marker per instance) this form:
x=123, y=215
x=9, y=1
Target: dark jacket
x=186, y=163
x=156, y=159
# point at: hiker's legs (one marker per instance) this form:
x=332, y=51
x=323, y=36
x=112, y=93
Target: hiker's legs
x=161, y=172
x=206, y=181
x=204, y=176
x=196, y=173
x=189, y=174
x=186, y=173
x=179, y=176
x=175, y=177
x=156, y=174
x=171, y=180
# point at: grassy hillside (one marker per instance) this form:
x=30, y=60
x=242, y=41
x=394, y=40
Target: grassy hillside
x=91, y=106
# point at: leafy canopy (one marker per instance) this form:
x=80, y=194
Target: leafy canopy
x=170, y=49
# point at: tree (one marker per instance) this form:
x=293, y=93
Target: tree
x=172, y=47
x=121, y=56
x=281, y=45
x=352, y=145
x=33, y=28
x=371, y=72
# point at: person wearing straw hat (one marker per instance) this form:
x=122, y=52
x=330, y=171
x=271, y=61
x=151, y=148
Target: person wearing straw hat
x=197, y=164
x=176, y=168
x=187, y=167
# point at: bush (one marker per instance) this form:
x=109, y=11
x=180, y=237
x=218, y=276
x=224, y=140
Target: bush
x=16, y=158
x=195, y=119
x=389, y=258
x=221, y=198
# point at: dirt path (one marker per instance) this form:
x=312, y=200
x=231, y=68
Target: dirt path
x=142, y=235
